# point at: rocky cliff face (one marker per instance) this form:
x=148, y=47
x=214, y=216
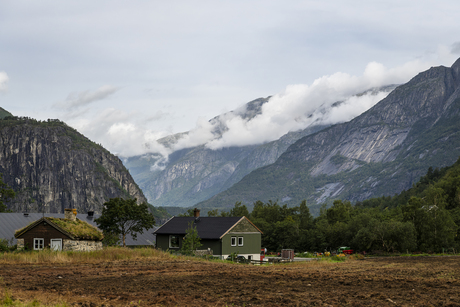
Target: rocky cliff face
x=381, y=152
x=51, y=166
x=195, y=174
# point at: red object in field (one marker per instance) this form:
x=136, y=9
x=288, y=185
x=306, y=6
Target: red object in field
x=348, y=251
x=262, y=254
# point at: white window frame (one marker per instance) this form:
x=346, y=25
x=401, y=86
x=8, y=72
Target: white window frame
x=240, y=241
x=39, y=244
x=233, y=241
x=170, y=240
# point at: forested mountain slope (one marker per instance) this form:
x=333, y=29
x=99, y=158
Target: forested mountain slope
x=381, y=152
x=4, y=113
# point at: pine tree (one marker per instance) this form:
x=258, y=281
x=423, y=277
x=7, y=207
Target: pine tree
x=191, y=240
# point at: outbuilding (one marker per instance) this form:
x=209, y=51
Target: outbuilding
x=67, y=234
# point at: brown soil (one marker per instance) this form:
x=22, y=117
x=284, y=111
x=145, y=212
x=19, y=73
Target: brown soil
x=398, y=281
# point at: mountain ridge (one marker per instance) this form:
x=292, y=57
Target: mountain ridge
x=358, y=159
x=194, y=174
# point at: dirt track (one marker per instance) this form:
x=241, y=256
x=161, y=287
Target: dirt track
x=411, y=281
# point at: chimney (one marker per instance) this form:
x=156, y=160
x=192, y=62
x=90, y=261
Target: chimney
x=70, y=214
x=196, y=213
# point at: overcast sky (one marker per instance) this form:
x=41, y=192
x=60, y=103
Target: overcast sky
x=125, y=73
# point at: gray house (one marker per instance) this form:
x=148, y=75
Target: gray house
x=223, y=235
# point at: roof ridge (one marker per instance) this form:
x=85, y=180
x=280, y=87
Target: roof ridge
x=20, y=232
x=164, y=223
x=231, y=228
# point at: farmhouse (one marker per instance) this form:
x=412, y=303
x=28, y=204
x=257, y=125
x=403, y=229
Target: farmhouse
x=10, y=222
x=222, y=235
x=68, y=234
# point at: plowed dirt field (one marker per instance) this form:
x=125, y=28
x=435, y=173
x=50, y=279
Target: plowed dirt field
x=398, y=281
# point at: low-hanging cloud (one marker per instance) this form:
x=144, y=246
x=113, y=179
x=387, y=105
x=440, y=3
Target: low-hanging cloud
x=3, y=81
x=76, y=100
x=115, y=129
x=328, y=100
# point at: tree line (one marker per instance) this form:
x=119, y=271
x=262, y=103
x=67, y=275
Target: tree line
x=425, y=218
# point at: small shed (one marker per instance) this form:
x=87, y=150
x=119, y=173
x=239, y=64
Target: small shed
x=67, y=234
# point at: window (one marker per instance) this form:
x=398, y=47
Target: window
x=173, y=241
x=39, y=243
x=233, y=241
x=240, y=241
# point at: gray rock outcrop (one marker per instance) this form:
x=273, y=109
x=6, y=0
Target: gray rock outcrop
x=51, y=166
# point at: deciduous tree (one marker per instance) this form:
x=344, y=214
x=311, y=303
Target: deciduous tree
x=124, y=216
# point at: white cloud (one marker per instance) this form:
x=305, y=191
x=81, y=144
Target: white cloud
x=352, y=107
x=3, y=81
x=120, y=133
x=128, y=133
x=302, y=105
x=76, y=100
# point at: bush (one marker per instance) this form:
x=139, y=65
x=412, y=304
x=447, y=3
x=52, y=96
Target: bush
x=5, y=245
x=338, y=258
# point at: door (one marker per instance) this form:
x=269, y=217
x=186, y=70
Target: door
x=56, y=244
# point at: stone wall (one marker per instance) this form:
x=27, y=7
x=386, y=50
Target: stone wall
x=81, y=245
x=20, y=244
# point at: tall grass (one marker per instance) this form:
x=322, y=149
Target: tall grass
x=106, y=254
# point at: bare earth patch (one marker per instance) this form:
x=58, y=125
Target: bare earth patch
x=398, y=281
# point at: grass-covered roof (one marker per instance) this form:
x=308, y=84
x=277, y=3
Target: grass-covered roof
x=77, y=229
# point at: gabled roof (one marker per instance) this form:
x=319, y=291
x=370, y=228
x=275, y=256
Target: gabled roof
x=10, y=222
x=73, y=229
x=207, y=227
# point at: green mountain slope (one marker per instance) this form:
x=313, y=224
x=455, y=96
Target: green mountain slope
x=381, y=152
x=195, y=174
x=4, y=113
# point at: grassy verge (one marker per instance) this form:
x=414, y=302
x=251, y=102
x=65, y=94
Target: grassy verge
x=107, y=254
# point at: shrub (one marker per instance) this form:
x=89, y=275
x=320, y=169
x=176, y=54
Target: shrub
x=6, y=246
x=338, y=258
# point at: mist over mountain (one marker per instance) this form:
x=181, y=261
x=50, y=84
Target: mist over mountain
x=381, y=152
x=193, y=174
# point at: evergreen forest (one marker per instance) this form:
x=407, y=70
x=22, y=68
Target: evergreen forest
x=425, y=218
